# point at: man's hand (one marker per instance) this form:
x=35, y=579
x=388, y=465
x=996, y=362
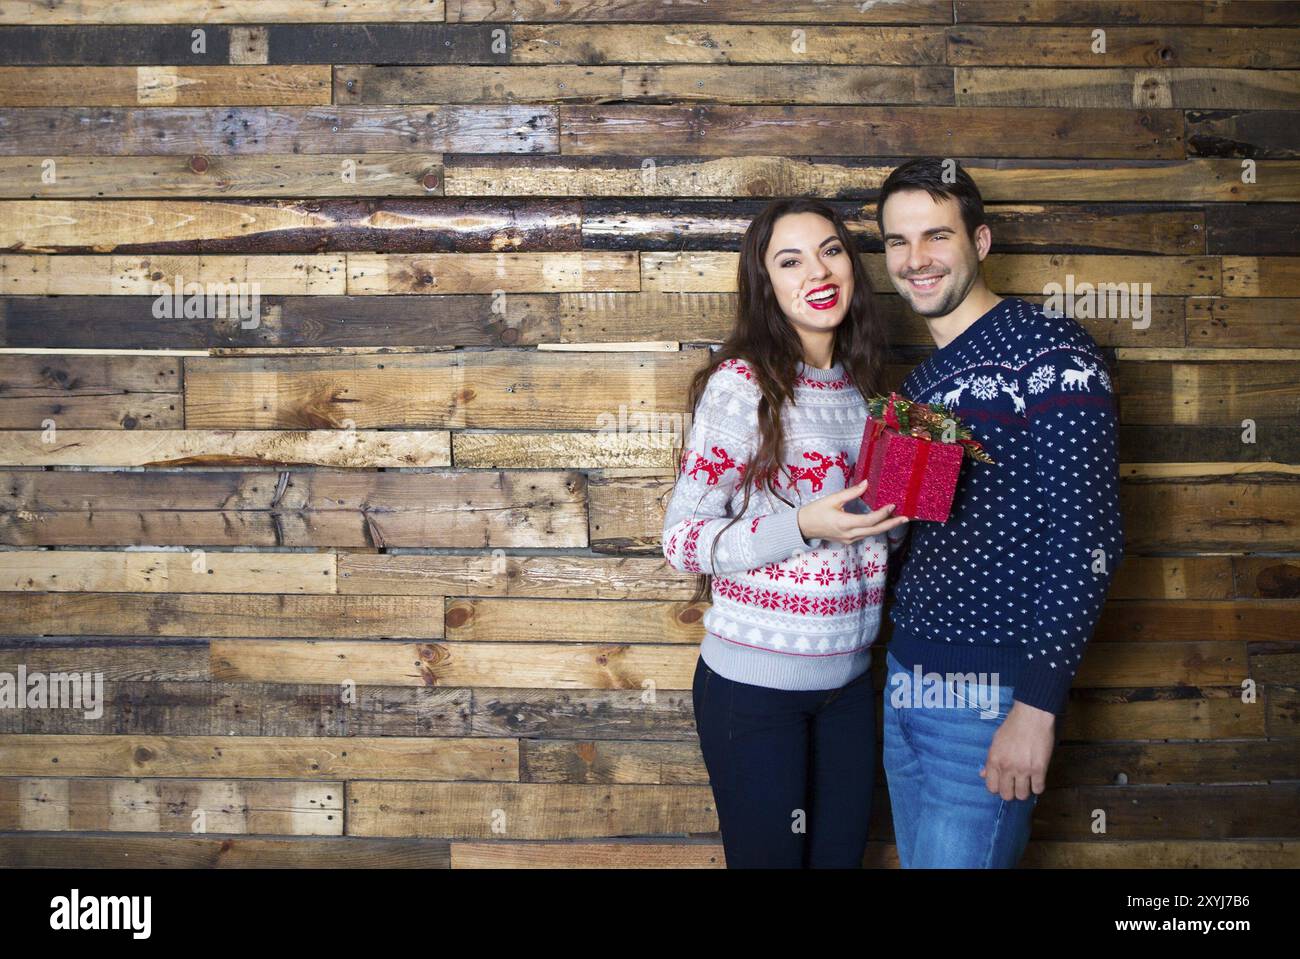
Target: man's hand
x=1018, y=756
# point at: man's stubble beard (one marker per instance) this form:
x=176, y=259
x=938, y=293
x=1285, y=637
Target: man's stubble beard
x=950, y=301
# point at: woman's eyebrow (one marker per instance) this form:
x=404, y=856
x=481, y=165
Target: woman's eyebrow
x=819, y=245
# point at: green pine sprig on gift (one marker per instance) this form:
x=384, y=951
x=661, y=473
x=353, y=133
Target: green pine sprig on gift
x=926, y=421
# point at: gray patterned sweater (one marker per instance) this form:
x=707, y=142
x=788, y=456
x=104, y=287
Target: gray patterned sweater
x=785, y=613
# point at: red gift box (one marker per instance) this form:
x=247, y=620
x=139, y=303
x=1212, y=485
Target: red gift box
x=917, y=474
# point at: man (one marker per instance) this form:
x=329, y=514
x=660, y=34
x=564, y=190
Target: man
x=994, y=607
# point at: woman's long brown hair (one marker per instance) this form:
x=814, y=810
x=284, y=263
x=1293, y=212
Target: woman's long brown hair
x=768, y=344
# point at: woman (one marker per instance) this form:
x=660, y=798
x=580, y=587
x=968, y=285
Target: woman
x=793, y=562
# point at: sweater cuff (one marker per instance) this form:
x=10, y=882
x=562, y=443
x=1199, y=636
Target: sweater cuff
x=1044, y=688
x=777, y=537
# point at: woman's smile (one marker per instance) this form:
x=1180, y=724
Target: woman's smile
x=823, y=297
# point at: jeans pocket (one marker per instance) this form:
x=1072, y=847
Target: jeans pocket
x=985, y=700
x=699, y=689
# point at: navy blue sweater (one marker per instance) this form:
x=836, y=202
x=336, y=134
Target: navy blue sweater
x=1014, y=581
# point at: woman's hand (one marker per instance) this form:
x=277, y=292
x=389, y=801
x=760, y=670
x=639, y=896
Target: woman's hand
x=826, y=518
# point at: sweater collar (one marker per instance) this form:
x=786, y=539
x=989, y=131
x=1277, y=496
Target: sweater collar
x=967, y=336
x=822, y=376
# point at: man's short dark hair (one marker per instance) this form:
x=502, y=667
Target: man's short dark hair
x=940, y=177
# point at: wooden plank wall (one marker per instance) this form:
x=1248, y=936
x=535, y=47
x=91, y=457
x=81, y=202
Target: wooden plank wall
x=373, y=576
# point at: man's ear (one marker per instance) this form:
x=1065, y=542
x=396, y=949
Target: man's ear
x=983, y=240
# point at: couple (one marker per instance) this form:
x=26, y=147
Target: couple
x=992, y=609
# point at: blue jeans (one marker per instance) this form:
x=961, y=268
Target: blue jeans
x=791, y=770
x=944, y=815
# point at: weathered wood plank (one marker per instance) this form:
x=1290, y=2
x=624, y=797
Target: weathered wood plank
x=229, y=11
x=658, y=715
x=154, y=131
x=316, y=226
x=1253, y=229
x=659, y=449
x=1123, y=89
x=526, y=810
x=1261, y=276
x=414, y=174
x=1267, y=577
x=1209, y=394
x=1155, y=854
x=502, y=575
x=1173, y=577
x=149, y=448
x=294, y=508
x=324, y=322
x=1276, y=662
x=1245, y=322
x=406, y=273
x=589, y=854
x=164, y=86
x=867, y=131
x=168, y=708
x=89, y=392
x=105, y=45
x=708, y=11
x=1175, y=713
x=1171, y=812
x=545, y=665
x=169, y=277
x=274, y=43
x=262, y=757
x=1154, y=664
x=726, y=43
x=576, y=621
x=1258, y=134
x=219, y=852
x=452, y=390
x=565, y=83
x=1181, y=444
x=1245, y=12
x=170, y=806
x=52, y=375
x=170, y=571
x=222, y=614
x=1196, y=354
x=589, y=762
x=1283, y=706
x=1215, y=514
x=1195, y=620
x=1128, y=46
x=151, y=663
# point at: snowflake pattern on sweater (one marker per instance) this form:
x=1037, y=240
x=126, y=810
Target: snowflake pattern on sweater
x=1015, y=580
x=785, y=613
